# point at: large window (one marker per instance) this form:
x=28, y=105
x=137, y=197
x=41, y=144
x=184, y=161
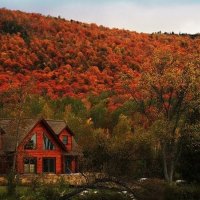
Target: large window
x=49, y=165
x=31, y=144
x=47, y=144
x=65, y=139
x=30, y=165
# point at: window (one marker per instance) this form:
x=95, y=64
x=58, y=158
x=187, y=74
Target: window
x=68, y=165
x=49, y=165
x=47, y=144
x=29, y=165
x=65, y=140
x=31, y=144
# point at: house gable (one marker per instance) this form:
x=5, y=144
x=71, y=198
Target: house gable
x=72, y=147
x=33, y=135
x=41, y=129
x=40, y=159
x=66, y=137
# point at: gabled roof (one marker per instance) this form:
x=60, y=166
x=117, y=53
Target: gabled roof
x=76, y=149
x=53, y=134
x=2, y=131
x=56, y=125
x=9, y=126
x=26, y=125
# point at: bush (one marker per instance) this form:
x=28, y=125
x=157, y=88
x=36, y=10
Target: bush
x=151, y=189
x=189, y=192
x=155, y=189
x=106, y=195
x=44, y=192
x=3, y=196
x=12, y=183
x=51, y=191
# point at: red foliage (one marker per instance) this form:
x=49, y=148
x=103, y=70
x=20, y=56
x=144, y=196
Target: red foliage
x=69, y=58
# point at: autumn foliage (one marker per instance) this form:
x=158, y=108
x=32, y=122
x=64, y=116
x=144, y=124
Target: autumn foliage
x=69, y=58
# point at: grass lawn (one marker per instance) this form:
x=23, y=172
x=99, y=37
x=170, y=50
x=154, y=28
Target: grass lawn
x=2, y=189
x=20, y=189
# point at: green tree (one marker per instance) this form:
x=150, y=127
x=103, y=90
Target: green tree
x=12, y=27
x=99, y=114
x=123, y=126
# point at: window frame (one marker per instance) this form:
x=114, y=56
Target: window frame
x=30, y=139
x=49, y=143
x=29, y=165
x=48, y=165
x=67, y=139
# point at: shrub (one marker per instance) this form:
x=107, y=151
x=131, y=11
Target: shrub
x=12, y=183
x=50, y=191
x=104, y=196
x=189, y=192
x=151, y=189
x=155, y=189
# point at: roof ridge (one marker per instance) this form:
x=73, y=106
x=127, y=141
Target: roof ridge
x=55, y=120
x=1, y=118
x=6, y=118
x=35, y=118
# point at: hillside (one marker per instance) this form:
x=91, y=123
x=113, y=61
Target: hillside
x=132, y=99
x=70, y=58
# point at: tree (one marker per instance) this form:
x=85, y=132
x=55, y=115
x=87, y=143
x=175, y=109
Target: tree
x=123, y=126
x=12, y=27
x=99, y=114
x=167, y=89
x=14, y=102
x=189, y=161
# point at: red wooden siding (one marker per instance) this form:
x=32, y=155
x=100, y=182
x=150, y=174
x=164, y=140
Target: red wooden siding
x=39, y=153
x=63, y=133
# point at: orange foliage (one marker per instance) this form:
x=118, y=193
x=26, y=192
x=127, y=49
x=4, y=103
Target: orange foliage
x=69, y=58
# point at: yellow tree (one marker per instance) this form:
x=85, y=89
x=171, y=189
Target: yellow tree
x=167, y=87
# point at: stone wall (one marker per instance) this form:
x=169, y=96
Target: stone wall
x=72, y=179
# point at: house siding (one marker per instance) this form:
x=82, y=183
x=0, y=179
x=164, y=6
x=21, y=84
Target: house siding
x=66, y=133
x=35, y=157
x=39, y=153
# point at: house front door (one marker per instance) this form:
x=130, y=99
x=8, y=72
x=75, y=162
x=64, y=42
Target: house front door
x=68, y=165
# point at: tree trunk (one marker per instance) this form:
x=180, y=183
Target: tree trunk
x=170, y=162
x=171, y=172
x=166, y=175
x=16, y=144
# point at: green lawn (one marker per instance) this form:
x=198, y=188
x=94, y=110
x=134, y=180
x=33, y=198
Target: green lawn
x=20, y=189
x=2, y=189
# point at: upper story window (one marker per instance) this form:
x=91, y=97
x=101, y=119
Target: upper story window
x=47, y=144
x=65, y=139
x=31, y=144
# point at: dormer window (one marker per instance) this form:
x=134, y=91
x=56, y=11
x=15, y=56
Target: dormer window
x=65, y=139
x=31, y=144
x=47, y=144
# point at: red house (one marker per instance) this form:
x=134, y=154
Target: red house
x=42, y=146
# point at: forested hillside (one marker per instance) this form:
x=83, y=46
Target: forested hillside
x=70, y=58
x=132, y=99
